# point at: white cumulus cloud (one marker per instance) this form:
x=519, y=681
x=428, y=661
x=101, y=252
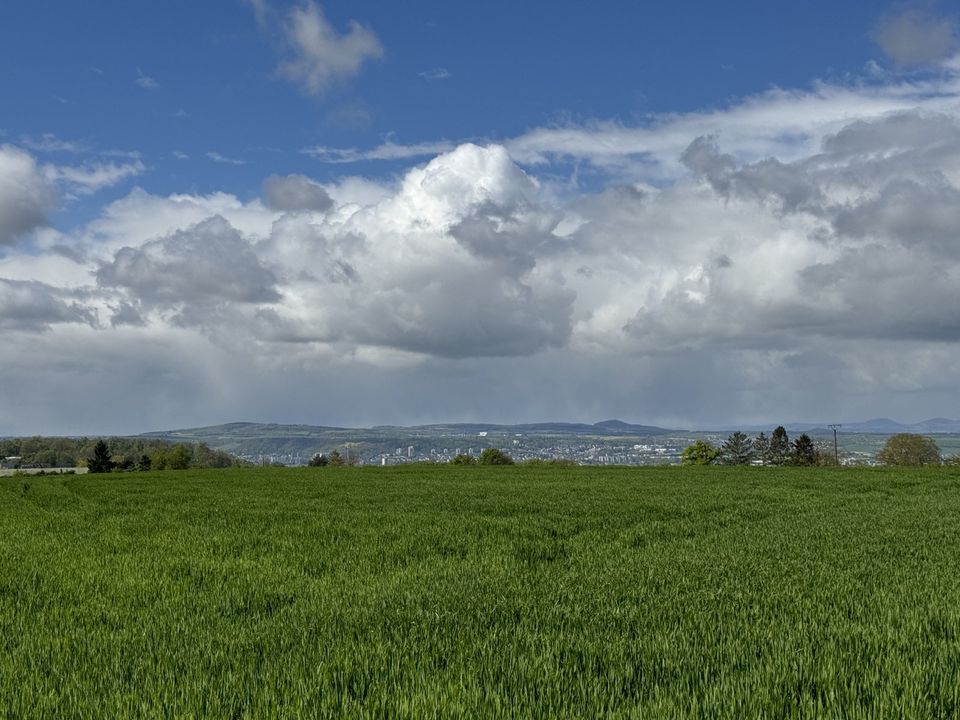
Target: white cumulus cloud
x=727, y=259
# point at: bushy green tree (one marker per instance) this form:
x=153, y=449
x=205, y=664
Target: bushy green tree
x=463, y=459
x=737, y=450
x=144, y=463
x=336, y=459
x=181, y=457
x=701, y=452
x=204, y=457
x=909, y=449
x=495, y=456
x=319, y=460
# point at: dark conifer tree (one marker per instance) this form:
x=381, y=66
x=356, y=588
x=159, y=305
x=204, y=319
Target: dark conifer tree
x=779, y=446
x=737, y=450
x=101, y=461
x=804, y=451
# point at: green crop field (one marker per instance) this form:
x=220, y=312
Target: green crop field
x=481, y=592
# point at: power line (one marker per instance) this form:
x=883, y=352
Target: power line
x=836, y=449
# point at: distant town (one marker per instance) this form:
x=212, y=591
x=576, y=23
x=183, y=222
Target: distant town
x=520, y=447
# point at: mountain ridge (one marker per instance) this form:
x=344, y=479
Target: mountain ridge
x=250, y=429
x=607, y=428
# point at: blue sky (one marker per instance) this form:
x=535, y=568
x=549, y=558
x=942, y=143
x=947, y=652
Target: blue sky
x=680, y=213
x=448, y=71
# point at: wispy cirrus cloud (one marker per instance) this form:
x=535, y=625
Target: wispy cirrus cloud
x=778, y=122
x=387, y=151
x=782, y=123
x=89, y=178
x=222, y=159
x=50, y=143
x=145, y=81
x=435, y=74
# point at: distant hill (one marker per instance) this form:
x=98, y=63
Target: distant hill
x=249, y=439
x=605, y=428
x=884, y=425
x=876, y=426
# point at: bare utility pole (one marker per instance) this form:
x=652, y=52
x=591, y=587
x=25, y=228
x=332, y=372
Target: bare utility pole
x=836, y=449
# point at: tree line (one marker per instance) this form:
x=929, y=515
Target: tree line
x=779, y=450
x=740, y=449
x=348, y=458
x=496, y=456
x=165, y=456
x=122, y=454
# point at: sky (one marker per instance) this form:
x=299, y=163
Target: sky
x=692, y=214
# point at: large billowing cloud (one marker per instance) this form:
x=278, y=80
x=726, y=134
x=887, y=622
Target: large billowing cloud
x=445, y=266
x=194, y=273
x=711, y=279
